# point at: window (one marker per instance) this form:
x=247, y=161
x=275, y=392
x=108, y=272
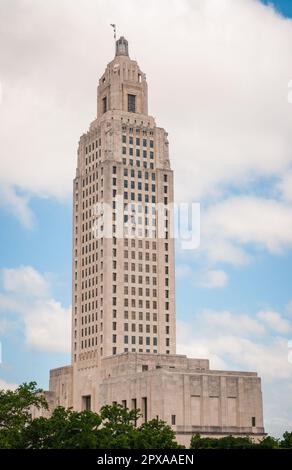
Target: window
x=253, y=421
x=86, y=402
x=134, y=403
x=173, y=419
x=104, y=104
x=144, y=408
x=144, y=367
x=131, y=103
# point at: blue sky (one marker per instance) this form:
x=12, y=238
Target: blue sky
x=231, y=152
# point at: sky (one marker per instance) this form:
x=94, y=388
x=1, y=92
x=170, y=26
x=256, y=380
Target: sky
x=220, y=81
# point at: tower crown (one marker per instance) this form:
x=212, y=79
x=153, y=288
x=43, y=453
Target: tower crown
x=122, y=46
x=123, y=85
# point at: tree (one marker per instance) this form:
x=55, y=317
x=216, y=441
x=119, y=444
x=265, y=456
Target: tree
x=228, y=442
x=15, y=413
x=268, y=442
x=286, y=442
x=65, y=429
x=113, y=428
x=118, y=427
x=156, y=434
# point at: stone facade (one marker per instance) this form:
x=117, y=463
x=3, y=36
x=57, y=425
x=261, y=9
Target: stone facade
x=123, y=319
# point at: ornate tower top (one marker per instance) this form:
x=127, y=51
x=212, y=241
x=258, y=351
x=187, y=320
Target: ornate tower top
x=123, y=86
x=122, y=46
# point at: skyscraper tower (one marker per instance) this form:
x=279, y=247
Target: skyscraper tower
x=123, y=268
x=123, y=315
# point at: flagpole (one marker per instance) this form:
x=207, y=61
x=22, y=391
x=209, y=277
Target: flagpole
x=115, y=31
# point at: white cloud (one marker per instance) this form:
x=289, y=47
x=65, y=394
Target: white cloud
x=212, y=279
x=236, y=123
x=17, y=205
x=206, y=279
x=25, y=281
x=275, y=321
x=226, y=321
x=47, y=324
x=238, y=339
x=285, y=186
x=7, y=386
x=183, y=270
x=224, y=251
x=243, y=220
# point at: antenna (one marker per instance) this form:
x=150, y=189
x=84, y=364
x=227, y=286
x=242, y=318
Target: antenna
x=115, y=30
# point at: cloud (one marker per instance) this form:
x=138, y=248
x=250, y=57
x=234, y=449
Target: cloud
x=182, y=271
x=212, y=279
x=240, y=340
x=224, y=251
x=27, y=294
x=226, y=321
x=17, y=205
x=206, y=279
x=285, y=186
x=275, y=321
x=238, y=221
x=26, y=281
x=48, y=326
x=7, y=386
x=236, y=122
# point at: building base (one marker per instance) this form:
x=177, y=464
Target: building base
x=182, y=391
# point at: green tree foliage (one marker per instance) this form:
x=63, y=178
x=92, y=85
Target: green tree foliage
x=286, y=442
x=228, y=442
x=268, y=442
x=156, y=434
x=65, y=429
x=15, y=413
x=118, y=427
x=231, y=442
